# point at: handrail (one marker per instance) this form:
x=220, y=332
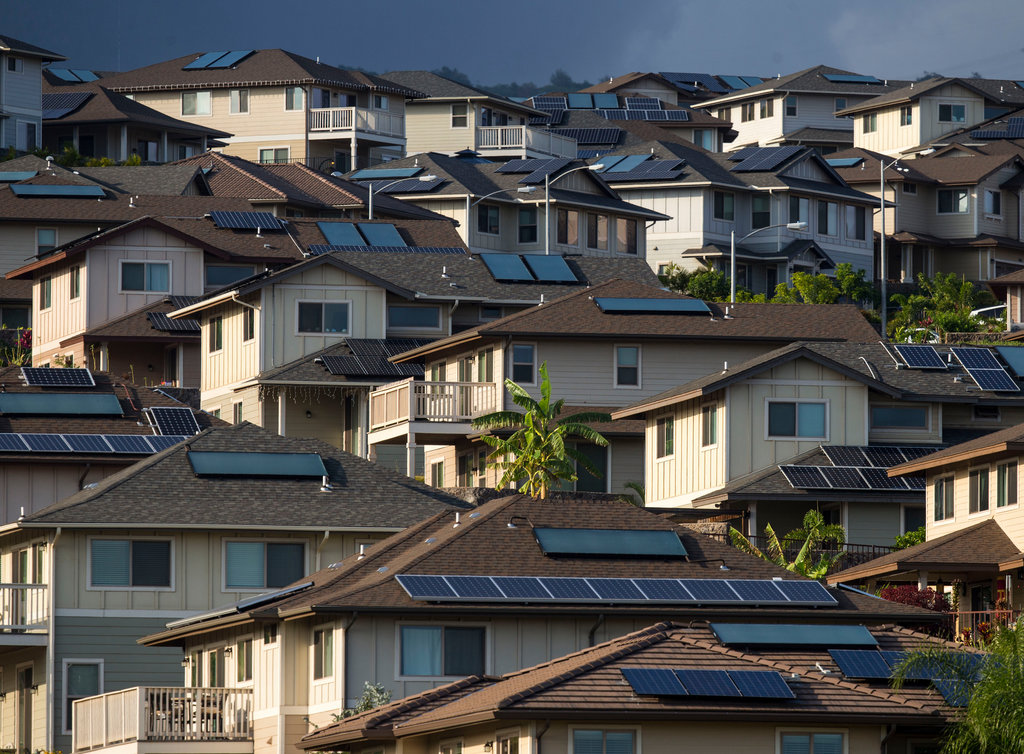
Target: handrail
x=524, y=137
x=435, y=401
x=331, y=119
x=24, y=607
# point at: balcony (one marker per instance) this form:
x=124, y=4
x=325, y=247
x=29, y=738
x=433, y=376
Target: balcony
x=978, y=626
x=334, y=122
x=147, y=718
x=522, y=141
x=441, y=409
x=24, y=614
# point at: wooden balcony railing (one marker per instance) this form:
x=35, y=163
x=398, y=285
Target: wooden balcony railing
x=409, y=400
x=162, y=713
x=524, y=137
x=24, y=608
x=341, y=119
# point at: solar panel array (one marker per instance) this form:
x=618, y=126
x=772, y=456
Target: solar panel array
x=536, y=169
x=552, y=118
x=646, y=115
x=381, y=234
x=647, y=543
x=983, y=368
x=10, y=176
x=407, y=186
x=160, y=321
x=580, y=101
x=68, y=404
x=865, y=478
x=52, y=190
x=14, y=442
x=59, y=104
x=246, y=220
x=844, y=162
x=920, y=356
x=706, y=80
x=741, y=82
x=547, y=101
x=606, y=100
x=1014, y=358
x=249, y=464
x=868, y=664
x=435, y=588
x=317, y=249
x=370, y=358
x=377, y=174
x=529, y=268
x=652, y=305
x=649, y=170
x=846, y=78
x=763, y=158
x=752, y=684
x=1014, y=129
x=72, y=76
x=793, y=634
x=643, y=103
x=174, y=420
x=590, y=135
x=215, y=60
x=622, y=163
x=50, y=377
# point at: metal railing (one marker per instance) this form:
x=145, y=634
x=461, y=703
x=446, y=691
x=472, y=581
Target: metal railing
x=524, y=137
x=853, y=553
x=408, y=400
x=974, y=626
x=162, y=713
x=24, y=608
x=338, y=119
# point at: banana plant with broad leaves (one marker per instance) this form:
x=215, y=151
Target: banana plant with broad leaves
x=814, y=533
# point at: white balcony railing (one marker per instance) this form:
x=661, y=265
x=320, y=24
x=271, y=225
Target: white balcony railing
x=524, y=138
x=162, y=713
x=409, y=400
x=23, y=608
x=342, y=119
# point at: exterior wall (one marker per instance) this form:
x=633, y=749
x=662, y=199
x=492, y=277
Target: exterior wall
x=32, y=486
x=11, y=662
x=892, y=138
x=930, y=435
x=21, y=100
x=238, y=359
x=18, y=240
x=692, y=466
x=814, y=111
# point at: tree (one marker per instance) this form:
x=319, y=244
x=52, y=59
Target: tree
x=944, y=304
x=709, y=285
x=374, y=695
x=911, y=538
x=814, y=533
x=992, y=687
x=454, y=74
x=536, y=454
x=815, y=289
x=852, y=285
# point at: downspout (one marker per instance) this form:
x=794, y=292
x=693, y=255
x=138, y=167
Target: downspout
x=319, y=547
x=50, y=640
x=344, y=658
x=539, y=735
x=885, y=739
x=451, y=315
x=593, y=630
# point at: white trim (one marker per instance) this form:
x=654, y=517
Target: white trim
x=635, y=729
x=300, y=287
x=981, y=512
x=452, y=114
x=259, y=161
x=78, y=612
x=284, y=104
x=671, y=416
x=797, y=438
x=65, y=661
x=196, y=114
x=347, y=333
x=144, y=291
x=49, y=306
x=488, y=659
x=228, y=589
x=511, y=362
x=88, y=565
x=71, y=282
x=712, y=404
x=639, y=366
x=329, y=628
x=995, y=507
x=209, y=331
x=929, y=501
x=812, y=383
x=844, y=732
x=56, y=238
x=247, y=110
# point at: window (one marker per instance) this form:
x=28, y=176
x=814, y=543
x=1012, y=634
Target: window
x=627, y=366
x=524, y=363
x=487, y=219
x=243, y=660
x=464, y=470
x=414, y=317
x=46, y=240
x=943, y=497
x=45, y=293
x=954, y=201
x=274, y=155
x=985, y=413
x=811, y=743
x=146, y=277
x=978, y=486
x=323, y=653
x=725, y=113
x=840, y=104
x=870, y=121
x=791, y=106
x=527, y=225
x=196, y=103
x=602, y=742
x=75, y=282
x=666, y=436
x=82, y=678
x=767, y=108
x=270, y=634
x=442, y=650
x=907, y=115
x=723, y=205
x=568, y=227
x=597, y=231
x=902, y=417
x=460, y=116
x=380, y=102
x=323, y=317
x=236, y=412
x=993, y=203
x=15, y=65
x=855, y=223
x=704, y=137
x=508, y=743
x=1006, y=484
x=952, y=113
x=437, y=473
x=488, y=313
x=215, y=667
x=828, y=218
x=797, y=419
x=760, y=211
x=248, y=324
x=625, y=230
x=747, y=112
x=709, y=425
x=450, y=747
x=239, y=99
x=909, y=188
x=262, y=565
x=130, y=563
x=216, y=334
x=485, y=365
x=799, y=209
x=293, y=98
x=219, y=275
x=585, y=481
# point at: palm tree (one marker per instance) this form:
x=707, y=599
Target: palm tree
x=814, y=533
x=992, y=690
x=536, y=454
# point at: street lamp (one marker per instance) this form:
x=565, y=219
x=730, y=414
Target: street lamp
x=519, y=190
x=882, y=167
x=373, y=190
x=802, y=225
x=547, y=200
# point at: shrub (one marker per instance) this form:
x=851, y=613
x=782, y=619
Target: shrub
x=908, y=594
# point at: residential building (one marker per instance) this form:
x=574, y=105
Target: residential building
x=454, y=116
x=605, y=347
x=738, y=439
x=278, y=106
x=21, y=86
x=186, y=530
x=806, y=108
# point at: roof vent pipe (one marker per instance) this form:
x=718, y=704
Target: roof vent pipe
x=458, y=520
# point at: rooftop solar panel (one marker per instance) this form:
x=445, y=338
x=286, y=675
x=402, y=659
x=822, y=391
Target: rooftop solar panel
x=204, y=60
x=607, y=542
x=752, y=80
x=643, y=103
x=174, y=420
x=474, y=587
x=703, y=79
x=996, y=380
x=542, y=171
x=88, y=444
x=508, y=268
x=1014, y=358
x=664, y=590
x=915, y=481
x=920, y=356
x=550, y=268
x=975, y=358
x=626, y=164
x=710, y=590
x=65, y=74
x=861, y=663
x=675, y=115
x=10, y=176
x=843, y=477
x=652, y=305
x=734, y=82
x=757, y=590
x=245, y=464
x=580, y=101
x=957, y=693
x=793, y=634
x=341, y=234
x=408, y=186
x=844, y=455
x=606, y=100
x=232, y=58
x=805, y=592
x=590, y=135
x=844, y=162
x=160, y=321
x=765, y=159
x=56, y=190
x=85, y=75
x=569, y=589
x=11, y=442
x=377, y=174
x=136, y=444
x=246, y=220
x=761, y=684
x=52, y=377
x=882, y=456
x=381, y=234
x=805, y=477
x=616, y=589
x=654, y=681
x=67, y=404
x=317, y=249
x=521, y=588
x=162, y=442
x=424, y=587
x=549, y=101
x=707, y=683
x=845, y=78
x=612, y=114
x=45, y=443
x=878, y=479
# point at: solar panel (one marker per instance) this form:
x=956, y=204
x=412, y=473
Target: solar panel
x=163, y=323
x=163, y=442
x=381, y=234
x=580, y=101
x=915, y=481
x=376, y=174
x=550, y=166
x=51, y=377
x=232, y=58
x=521, y=166
x=983, y=368
x=65, y=74
x=318, y=249
x=246, y=220
x=845, y=78
x=172, y=420
x=11, y=442
x=56, y=190
x=707, y=683
x=249, y=464
x=652, y=305
x=920, y=356
x=88, y=444
x=569, y=589
x=10, y=176
x=606, y=100
x=844, y=455
x=135, y=444
x=752, y=80
x=553, y=118
x=341, y=234
x=68, y=404
x=408, y=186
x=843, y=477
x=674, y=115
x=1014, y=358
x=549, y=101
x=654, y=681
x=878, y=479
x=807, y=592
x=549, y=269
x=793, y=634
x=45, y=443
x=609, y=160
x=508, y=268
x=59, y=104
x=615, y=589
x=913, y=453
x=590, y=135
x=643, y=103
x=85, y=75
x=861, y=663
x=521, y=588
x=845, y=162
x=626, y=164
x=703, y=79
x=804, y=477
x=765, y=158
x=664, y=590
x=957, y=693
x=424, y=587
x=757, y=590
x=761, y=684
x=613, y=114
x=710, y=590
x=204, y=60
x=622, y=542
x=734, y=82
x=883, y=457
x=975, y=358
x=480, y=587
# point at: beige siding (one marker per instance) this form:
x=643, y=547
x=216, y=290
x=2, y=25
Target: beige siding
x=238, y=359
x=691, y=468
x=1010, y=518
x=30, y=487
x=930, y=435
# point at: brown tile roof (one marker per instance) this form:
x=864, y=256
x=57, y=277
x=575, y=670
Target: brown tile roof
x=917, y=89
x=954, y=171
x=1003, y=442
x=137, y=326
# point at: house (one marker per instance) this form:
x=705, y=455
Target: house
x=898, y=121
x=605, y=347
x=278, y=106
x=502, y=206
x=751, y=196
x=628, y=695
x=21, y=86
x=740, y=438
x=799, y=109
x=454, y=116
x=368, y=618
x=185, y=530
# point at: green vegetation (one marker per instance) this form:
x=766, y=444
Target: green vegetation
x=813, y=535
x=374, y=695
x=911, y=538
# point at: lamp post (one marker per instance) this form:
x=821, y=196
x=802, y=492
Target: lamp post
x=547, y=200
x=883, y=273
x=519, y=190
x=373, y=190
x=802, y=225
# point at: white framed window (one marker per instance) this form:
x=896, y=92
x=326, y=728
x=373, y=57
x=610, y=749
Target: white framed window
x=665, y=436
x=900, y=417
x=942, y=498
x=380, y=102
x=796, y=419
x=954, y=201
x=145, y=277
x=323, y=653
x=828, y=218
x=725, y=113
x=524, y=363
x=709, y=425
x=977, y=485
x=799, y=209
x=507, y=741
x=527, y=225
x=811, y=742
x=460, y=115
x=791, y=106
x=262, y=564
x=626, y=235
x=46, y=240
x=216, y=340
x=597, y=231
x=952, y=113
x=269, y=634
x=45, y=293
x=82, y=678
x=239, y=99
x=488, y=219
x=440, y=651
x=603, y=741
x=856, y=227
x=243, y=660
x=907, y=115
x=1006, y=484
x=767, y=108
x=403, y=317
x=270, y=155
x=197, y=103
x=323, y=317
x=437, y=473
x=75, y=282
x=236, y=412
x=723, y=205
x=993, y=203
x=450, y=746
x=293, y=98
x=248, y=324
x=568, y=230
x=627, y=366
x=839, y=104
x=870, y=122
x=131, y=564
x=747, y=112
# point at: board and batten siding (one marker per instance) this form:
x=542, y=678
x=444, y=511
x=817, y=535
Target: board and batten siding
x=238, y=359
x=428, y=128
x=30, y=487
x=1009, y=518
x=691, y=469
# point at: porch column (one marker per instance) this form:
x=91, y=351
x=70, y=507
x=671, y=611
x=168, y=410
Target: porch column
x=364, y=427
x=124, y=141
x=163, y=146
x=74, y=137
x=202, y=143
x=354, y=144
x=282, y=405
x=907, y=255
x=752, y=519
x=922, y=579
x=410, y=455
